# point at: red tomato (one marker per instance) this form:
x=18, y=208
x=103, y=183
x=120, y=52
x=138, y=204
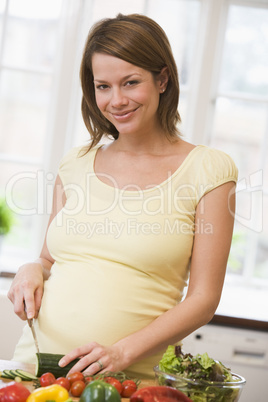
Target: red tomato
x=88, y=379
x=116, y=383
x=77, y=376
x=47, y=379
x=64, y=382
x=77, y=388
x=129, y=387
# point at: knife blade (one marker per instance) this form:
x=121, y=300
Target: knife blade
x=31, y=325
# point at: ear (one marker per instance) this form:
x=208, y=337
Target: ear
x=163, y=79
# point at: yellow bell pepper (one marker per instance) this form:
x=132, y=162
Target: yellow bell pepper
x=51, y=393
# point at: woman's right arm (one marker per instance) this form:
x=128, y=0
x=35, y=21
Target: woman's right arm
x=27, y=288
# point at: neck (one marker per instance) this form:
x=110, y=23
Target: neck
x=151, y=142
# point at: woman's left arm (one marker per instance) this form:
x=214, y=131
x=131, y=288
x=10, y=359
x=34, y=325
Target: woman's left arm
x=214, y=227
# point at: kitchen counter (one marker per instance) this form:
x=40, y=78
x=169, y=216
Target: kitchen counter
x=237, y=322
x=9, y=365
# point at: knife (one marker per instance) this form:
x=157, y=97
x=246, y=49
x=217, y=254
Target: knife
x=31, y=325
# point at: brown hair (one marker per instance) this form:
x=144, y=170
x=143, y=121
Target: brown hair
x=138, y=40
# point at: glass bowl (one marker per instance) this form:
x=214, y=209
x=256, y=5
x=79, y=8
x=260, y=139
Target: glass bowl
x=202, y=390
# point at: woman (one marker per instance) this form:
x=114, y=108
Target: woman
x=130, y=218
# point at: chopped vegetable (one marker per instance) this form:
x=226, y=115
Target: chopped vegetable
x=23, y=375
x=17, y=379
x=49, y=363
x=7, y=374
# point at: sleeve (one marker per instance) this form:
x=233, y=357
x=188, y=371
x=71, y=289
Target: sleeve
x=71, y=168
x=216, y=169
x=67, y=165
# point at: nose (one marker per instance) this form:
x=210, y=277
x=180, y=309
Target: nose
x=118, y=98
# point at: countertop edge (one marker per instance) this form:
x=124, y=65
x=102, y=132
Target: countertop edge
x=236, y=322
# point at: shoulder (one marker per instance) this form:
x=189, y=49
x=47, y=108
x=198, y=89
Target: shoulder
x=72, y=155
x=212, y=168
x=205, y=160
x=217, y=163
x=74, y=162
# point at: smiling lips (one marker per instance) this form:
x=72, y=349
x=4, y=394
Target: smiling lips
x=123, y=115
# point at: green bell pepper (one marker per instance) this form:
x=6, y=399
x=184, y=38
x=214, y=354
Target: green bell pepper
x=100, y=391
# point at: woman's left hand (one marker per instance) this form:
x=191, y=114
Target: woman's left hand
x=95, y=358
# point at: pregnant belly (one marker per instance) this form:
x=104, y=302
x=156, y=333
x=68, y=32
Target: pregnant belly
x=101, y=304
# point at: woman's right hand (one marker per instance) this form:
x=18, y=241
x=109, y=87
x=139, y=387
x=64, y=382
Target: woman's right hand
x=26, y=290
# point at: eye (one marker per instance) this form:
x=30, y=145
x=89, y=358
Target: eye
x=101, y=87
x=131, y=83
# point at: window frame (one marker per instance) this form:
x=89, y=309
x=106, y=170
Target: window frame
x=60, y=96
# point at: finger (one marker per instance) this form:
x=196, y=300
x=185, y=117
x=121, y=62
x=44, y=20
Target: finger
x=38, y=299
x=89, y=361
x=10, y=295
x=19, y=307
x=16, y=296
x=25, y=294
x=29, y=306
x=96, y=367
x=83, y=366
x=83, y=363
x=77, y=353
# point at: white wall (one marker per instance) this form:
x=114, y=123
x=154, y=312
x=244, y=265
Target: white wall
x=11, y=327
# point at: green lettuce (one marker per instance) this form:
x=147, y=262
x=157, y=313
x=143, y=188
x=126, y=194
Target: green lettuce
x=197, y=368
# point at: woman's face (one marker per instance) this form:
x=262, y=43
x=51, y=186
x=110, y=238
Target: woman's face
x=127, y=95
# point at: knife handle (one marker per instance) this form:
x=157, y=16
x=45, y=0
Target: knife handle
x=29, y=320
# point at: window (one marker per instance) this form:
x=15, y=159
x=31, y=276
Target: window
x=239, y=126
x=31, y=46
x=180, y=20
x=221, y=48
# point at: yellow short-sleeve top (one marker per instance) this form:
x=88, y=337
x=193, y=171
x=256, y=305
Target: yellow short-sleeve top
x=122, y=256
